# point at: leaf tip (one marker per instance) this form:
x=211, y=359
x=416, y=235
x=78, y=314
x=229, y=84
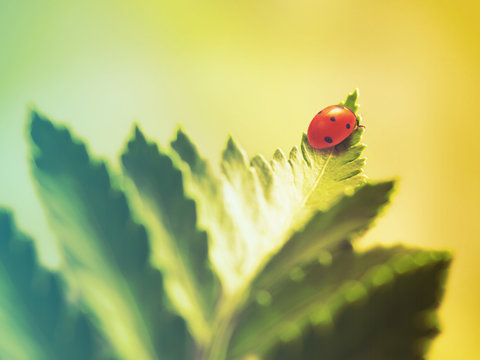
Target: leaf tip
x=233, y=151
x=293, y=154
x=32, y=111
x=389, y=186
x=230, y=141
x=37, y=120
x=41, y=131
x=355, y=93
x=137, y=131
x=304, y=141
x=181, y=141
x=351, y=101
x=279, y=156
x=393, y=185
x=381, y=192
x=180, y=131
x=136, y=137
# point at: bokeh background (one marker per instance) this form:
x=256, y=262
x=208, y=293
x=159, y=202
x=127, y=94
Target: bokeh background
x=260, y=70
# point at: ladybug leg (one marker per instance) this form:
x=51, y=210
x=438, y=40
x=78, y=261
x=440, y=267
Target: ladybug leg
x=358, y=124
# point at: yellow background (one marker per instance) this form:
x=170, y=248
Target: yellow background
x=260, y=70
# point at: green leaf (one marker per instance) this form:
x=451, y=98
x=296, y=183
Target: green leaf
x=106, y=252
x=171, y=219
x=350, y=217
x=389, y=313
x=326, y=231
x=36, y=321
x=253, y=207
x=373, y=305
x=351, y=101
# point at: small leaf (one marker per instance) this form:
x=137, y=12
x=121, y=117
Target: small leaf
x=351, y=101
x=36, y=321
x=172, y=222
x=106, y=252
x=373, y=305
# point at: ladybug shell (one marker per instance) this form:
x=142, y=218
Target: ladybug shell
x=331, y=126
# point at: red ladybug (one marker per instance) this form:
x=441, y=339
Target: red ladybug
x=331, y=126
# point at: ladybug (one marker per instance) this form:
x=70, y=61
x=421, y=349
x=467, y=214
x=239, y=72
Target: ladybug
x=331, y=126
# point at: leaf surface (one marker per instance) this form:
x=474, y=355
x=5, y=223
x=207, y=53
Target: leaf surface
x=327, y=231
x=171, y=218
x=107, y=254
x=36, y=320
x=389, y=312
x=372, y=305
x=350, y=217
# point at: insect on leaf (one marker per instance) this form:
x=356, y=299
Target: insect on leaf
x=253, y=207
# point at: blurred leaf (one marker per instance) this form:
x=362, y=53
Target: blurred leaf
x=254, y=207
x=350, y=216
x=105, y=251
x=312, y=296
x=326, y=231
x=36, y=321
x=386, y=311
x=171, y=218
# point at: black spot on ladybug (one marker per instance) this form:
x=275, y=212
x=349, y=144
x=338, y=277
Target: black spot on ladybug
x=319, y=112
x=328, y=139
x=332, y=118
x=348, y=126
